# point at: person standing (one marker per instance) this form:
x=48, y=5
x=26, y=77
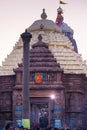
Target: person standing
x=7, y=127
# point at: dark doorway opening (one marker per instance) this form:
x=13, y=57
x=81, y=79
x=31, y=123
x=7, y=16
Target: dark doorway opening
x=39, y=110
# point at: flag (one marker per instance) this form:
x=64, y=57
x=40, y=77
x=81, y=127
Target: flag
x=61, y=2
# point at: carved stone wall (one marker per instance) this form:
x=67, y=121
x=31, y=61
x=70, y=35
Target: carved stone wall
x=85, y=102
x=74, y=95
x=6, y=89
x=74, y=98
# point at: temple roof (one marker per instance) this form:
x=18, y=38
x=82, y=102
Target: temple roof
x=59, y=44
x=41, y=59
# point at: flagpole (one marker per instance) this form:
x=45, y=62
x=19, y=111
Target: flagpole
x=59, y=3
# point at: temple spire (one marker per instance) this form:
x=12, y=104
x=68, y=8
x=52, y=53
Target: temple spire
x=59, y=18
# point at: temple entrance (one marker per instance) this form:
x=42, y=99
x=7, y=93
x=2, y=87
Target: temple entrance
x=39, y=112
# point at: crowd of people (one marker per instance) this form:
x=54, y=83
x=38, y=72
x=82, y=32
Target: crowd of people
x=9, y=127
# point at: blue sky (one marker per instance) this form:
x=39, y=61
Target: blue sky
x=17, y=15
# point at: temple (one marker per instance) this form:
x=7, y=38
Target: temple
x=56, y=68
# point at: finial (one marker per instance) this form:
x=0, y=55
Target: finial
x=59, y=18
x=43, y=15
x=40, y=37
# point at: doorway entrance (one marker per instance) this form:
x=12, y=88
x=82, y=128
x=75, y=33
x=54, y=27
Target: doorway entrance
x=39, y=110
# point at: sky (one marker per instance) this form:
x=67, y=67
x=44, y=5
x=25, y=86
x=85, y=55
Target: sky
x=17, y=15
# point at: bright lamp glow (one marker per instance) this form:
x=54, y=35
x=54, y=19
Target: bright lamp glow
x=52, y=96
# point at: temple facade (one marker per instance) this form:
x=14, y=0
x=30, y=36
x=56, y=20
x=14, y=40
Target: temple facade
x=56, y=68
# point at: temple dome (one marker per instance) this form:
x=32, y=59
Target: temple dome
x=44, y=24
